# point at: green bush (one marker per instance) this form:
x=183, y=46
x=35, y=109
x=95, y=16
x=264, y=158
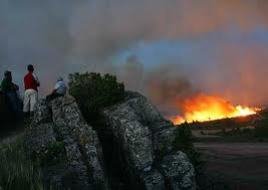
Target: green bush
x=184, y=142
x=94, y=92
x=54, y=153
x=17, y=171
x=261, y=130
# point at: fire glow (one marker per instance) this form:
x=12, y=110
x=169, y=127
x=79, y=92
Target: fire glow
x=207, y=108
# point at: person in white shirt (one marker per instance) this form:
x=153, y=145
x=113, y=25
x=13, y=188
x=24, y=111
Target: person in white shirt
x=59, y=90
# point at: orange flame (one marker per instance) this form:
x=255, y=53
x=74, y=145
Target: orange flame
x=205, y=108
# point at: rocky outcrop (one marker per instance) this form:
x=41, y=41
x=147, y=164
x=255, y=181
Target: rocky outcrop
x=132, y=147
x=80, y=164
x=144, y=139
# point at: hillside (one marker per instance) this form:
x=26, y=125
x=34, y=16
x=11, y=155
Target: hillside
x=234, y=152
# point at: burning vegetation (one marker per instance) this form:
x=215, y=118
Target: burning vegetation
x=206, y=108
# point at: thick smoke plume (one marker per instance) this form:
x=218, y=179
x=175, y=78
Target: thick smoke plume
x=168, y=86
x=222, y=53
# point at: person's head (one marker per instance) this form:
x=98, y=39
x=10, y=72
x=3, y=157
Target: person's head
x=30, y=68
x=8, y=75
x=60, y=79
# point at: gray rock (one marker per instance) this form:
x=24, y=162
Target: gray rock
x=153, y=180
x=178, y=171
x=142, y=141
x=135, y=140
x=39, y=137
x=62, y=121
x=42, y=113
x=145, y=139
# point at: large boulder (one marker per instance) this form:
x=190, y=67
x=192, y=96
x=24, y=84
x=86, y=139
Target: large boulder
x=130, y=146
x=145, y=142
x=69, y=149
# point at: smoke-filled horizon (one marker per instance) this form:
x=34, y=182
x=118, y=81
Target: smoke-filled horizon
x=166, y=49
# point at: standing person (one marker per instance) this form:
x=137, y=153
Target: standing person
x=31, y=84
x=59, y=90
x=9, y=89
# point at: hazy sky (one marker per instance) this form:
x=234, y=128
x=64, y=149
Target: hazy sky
x=218, y=47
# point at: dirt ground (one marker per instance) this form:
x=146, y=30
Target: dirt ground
x=243, y=166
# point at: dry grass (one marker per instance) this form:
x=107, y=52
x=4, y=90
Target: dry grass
x=17, y=171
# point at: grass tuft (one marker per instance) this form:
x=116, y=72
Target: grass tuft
x=17, y=171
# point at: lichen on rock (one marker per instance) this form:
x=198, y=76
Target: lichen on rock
x=145, y=140
x=61, y=120
x=131, y=149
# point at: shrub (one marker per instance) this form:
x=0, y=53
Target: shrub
x=261, y=130
x=94, y=92
x=183, y=137
x=184, y=142
x=17, y=171
x=54, y=153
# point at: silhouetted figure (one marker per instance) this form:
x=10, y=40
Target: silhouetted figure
x=59, y=90
x=31, y=84
x=10, y=91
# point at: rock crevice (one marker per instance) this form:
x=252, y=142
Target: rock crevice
x=145, y=141
x=131, y=147
x=61, y=120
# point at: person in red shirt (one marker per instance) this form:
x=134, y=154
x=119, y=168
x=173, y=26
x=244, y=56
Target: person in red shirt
x=31, y=84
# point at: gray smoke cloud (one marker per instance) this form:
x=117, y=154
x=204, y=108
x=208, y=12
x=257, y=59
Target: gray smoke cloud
x=101, y=28
x=65, y=36
x=167, y=86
